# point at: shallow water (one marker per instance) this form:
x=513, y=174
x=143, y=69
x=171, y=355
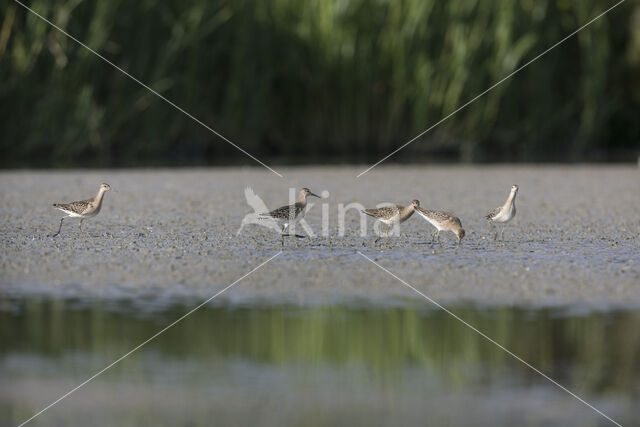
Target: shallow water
x=314, y=366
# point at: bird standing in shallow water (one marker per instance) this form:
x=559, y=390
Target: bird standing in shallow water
x=503, y=214
x=390, y=215
x=288, y=215
x=83, y=208
x=442, y=221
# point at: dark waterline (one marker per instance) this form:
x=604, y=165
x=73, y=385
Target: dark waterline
x=355, y=364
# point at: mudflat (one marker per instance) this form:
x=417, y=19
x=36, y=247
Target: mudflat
x=167, y=235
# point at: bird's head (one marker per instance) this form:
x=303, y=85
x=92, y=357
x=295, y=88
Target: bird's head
x=306, y=192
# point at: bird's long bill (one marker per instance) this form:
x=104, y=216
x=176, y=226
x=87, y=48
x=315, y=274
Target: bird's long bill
x=315, y=195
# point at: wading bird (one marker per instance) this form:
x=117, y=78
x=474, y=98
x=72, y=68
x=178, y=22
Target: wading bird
x=442, y=221
x=503, y=214
x=289, y=215
x=391, y=215
x=83, y=208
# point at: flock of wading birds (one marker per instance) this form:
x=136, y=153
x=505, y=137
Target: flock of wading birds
x=288, y=215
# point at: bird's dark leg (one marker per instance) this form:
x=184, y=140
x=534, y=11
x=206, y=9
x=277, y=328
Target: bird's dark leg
x=81, y=219
x=502, y=233
x=379, y=236
x=284, y=227
x=438, y=236
x=59, y=228
x=493, y=228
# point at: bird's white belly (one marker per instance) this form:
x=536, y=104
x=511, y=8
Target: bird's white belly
x=504, y=216
x=389, y=221
x=71, y=214
x=436, y=224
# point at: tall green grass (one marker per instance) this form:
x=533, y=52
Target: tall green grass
x=345, y=80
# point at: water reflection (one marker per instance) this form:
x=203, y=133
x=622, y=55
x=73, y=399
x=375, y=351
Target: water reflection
x=357, y=364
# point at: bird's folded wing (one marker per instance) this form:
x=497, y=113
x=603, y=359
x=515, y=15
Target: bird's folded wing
x=77, y=207
x=384, y=212
x=493, y=212
x=284, y=212
x=422, y=212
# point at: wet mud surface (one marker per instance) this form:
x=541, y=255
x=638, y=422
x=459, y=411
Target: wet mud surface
x=168, y=236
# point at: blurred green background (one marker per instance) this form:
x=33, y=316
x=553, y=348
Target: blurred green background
x=317, y=81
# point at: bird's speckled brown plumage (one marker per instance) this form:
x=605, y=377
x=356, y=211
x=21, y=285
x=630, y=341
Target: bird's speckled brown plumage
x=393, y=213
x=441, y=217
x=286, y=212
x=443, y=221
x=83, y=208
x=386, y=212
x=78, y=207
x=493, y=213
x=288, y=215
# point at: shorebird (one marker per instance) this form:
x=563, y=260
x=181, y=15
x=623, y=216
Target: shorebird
x=288, y=215
x=505, y=213
x=391, y=215
x=82, y=209
x=442, y=221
